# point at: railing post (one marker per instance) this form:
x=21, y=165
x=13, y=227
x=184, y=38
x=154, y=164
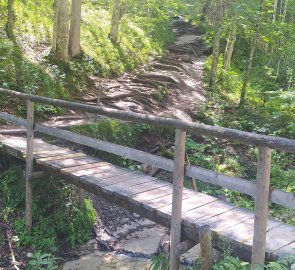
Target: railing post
x=178, y=179
x=261, y=207
x=81, y=196
x=206, y=248
x=29, y=164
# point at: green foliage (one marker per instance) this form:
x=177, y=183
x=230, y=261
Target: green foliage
x=39, y=261
x=159, y=262
x=231, y=263
x=57, y=216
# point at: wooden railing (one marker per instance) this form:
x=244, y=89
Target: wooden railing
x=261, y=190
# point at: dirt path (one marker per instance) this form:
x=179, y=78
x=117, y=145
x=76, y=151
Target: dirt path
x=169, y=86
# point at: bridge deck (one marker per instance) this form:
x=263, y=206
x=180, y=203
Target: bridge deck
x=152, y=198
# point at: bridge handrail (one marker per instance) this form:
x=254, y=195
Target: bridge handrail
x=277, y=143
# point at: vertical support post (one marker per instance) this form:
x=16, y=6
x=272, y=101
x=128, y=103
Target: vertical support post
x=261, y=206
x=178, y=179
x=29, y=164
x=81, y=196
x=206, y=249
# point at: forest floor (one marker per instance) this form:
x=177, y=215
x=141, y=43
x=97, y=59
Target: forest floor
x=169, y=86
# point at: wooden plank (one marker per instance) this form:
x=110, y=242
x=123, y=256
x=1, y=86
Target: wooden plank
x=261, y=206
x=102, y=181
x=52, y=152
x=190, y=203
x=207, y=211
x=167, y=200
x=243, y=232
x=84, y=167
x=286, y=250
x=145, y=197
x=67, y=163
x=60, y=157
x=247, y=138
x=134, y=186
x=178, y=179
x=279, y=237
x=228, y=219
x=104, y=171
x=29, y=164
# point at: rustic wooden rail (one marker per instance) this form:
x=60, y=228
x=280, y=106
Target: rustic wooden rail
x=261, y=190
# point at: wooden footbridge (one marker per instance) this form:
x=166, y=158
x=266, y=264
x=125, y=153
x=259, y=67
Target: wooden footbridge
x=193, y=217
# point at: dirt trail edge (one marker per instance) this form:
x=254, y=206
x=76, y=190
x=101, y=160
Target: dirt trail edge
x=170, y=86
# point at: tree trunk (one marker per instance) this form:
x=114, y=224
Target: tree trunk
x=215, y=56
x=248, y=72
x=62, y=30
x=217, y=15
x=75, y=29
x=56, y=10
x=116, y=17
x=285, y=10
x=230, y=46
x=10, y=19
x=250, y=61
x=275, y=9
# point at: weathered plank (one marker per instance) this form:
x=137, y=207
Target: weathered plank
x=228, y=219
x=190, y=203
x=60, y=157
x=101, y=167
x=243, y=232
x=153, y=194
x=66, y=163
x=207, y=211
x=102, y=181
x=96, y=163
x=279, y=237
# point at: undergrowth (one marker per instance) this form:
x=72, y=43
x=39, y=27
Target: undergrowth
x=58, y=220
x=161, y=262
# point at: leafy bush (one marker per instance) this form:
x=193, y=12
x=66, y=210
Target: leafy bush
x=39, y=261
x=231, y=263
x=57, y=217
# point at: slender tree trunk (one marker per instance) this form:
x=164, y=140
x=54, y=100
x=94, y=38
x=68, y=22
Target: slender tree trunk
x=275, y=9
x=75, y=29
x=116, y=17
x=215, y=56
x=216, y=43
x=250, y=61
x=248, y=72
x=10, y=19
x=56, y=10
x=230, y=46
x=62, y=31
x=285, y=10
